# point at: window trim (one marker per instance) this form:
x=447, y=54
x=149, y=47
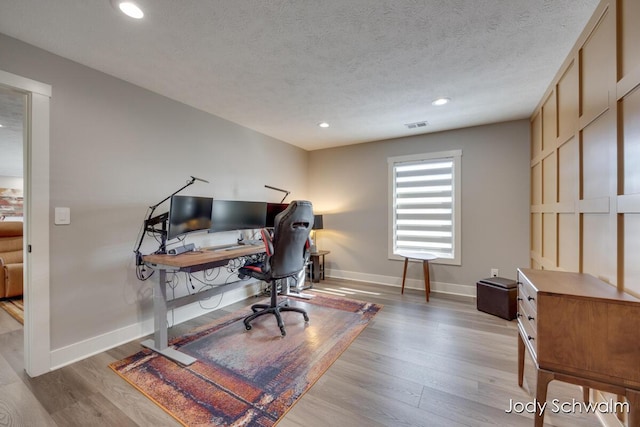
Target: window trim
x=457, y=202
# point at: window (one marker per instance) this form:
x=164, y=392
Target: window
x=424, y=211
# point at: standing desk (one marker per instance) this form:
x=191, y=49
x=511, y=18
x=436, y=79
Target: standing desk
x=189, y=262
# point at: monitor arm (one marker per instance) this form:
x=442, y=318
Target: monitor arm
x=149, y=223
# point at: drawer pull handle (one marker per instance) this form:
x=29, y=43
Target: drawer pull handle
x=530, y=338
x=530, y=298
x=530, y=317
x=518, y=314
x=519, y=299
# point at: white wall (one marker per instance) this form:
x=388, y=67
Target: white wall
x=115, y=150
x=349, y=185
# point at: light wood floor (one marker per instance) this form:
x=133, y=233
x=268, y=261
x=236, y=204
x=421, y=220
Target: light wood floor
x=438, y=364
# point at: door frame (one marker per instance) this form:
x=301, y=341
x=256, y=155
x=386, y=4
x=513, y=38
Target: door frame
x=37, y=330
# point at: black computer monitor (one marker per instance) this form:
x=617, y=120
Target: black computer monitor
x=274, y=209
x=188, y=214
x=237, y=215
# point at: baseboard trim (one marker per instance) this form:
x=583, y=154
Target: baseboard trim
x=418, y=284
x=81, y=350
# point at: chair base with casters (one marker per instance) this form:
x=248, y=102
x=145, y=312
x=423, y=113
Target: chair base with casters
x=274, y=307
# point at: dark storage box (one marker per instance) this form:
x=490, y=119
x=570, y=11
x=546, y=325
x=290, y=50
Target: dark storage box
x=497, y=296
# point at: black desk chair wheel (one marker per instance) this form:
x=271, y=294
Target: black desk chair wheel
x=287, y=253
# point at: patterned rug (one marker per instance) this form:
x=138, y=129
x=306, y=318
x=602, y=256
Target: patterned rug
x=248, y=378
x=15, y=307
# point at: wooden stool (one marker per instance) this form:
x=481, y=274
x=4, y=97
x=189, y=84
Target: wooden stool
x=425, y=257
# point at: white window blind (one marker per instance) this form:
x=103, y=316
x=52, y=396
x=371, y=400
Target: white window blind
x=425, y=204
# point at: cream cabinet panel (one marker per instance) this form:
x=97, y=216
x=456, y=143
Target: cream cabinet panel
x=630, y=106
x=549, y=179
x=596, y=246
x=549, y=122
x=629, y=13
x=536, y=233
x=568, y=242
x=632, y=253
x=598, y=68
x=568, y=171
x=597, y=140
x=568, y=102
x=549, y=238
x=536, y=184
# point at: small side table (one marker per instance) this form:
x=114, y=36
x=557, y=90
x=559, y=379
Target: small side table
x=425, y=257
x=316, y=268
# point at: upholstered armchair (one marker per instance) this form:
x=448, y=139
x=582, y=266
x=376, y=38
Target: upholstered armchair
x=11, y=258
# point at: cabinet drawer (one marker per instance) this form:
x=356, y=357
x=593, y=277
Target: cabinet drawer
x=526, y=313
x=527, y=293
x=529, y=336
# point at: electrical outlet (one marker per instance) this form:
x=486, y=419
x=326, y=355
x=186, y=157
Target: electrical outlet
x=494, y=272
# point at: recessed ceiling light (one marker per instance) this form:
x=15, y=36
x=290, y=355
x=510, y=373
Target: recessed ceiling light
x=440, y=101
x=129, y=8
x=323, y=124
x=1, y=125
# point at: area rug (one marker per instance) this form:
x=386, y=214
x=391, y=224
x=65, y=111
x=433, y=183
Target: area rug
x=15, y=307
x=248, y=378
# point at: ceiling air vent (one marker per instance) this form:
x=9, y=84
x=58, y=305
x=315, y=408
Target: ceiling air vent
x=416, y=125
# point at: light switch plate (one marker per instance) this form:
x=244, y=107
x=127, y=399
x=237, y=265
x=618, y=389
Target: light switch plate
x=62, y=216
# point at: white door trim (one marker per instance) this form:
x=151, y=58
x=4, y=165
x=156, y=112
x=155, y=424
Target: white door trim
x=37, y=343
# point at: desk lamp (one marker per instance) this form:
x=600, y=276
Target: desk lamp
x=317, y=225
x=281, y=190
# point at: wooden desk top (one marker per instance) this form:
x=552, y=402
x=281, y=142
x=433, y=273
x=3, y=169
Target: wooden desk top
x=202, y=257
x=578, y=285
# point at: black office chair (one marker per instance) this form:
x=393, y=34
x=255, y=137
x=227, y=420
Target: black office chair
x=287, y=253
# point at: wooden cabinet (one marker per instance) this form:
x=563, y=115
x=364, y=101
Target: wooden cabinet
x=580, y=330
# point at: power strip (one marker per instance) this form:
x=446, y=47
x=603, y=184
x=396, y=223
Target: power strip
x=182, y=249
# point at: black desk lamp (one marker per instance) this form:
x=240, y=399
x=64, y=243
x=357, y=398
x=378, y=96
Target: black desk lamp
x=150, y=222
x=279, y=189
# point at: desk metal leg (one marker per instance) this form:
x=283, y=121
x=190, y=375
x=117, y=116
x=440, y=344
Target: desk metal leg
x=160, y=343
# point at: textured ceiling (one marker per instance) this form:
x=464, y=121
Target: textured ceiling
x=279, y=67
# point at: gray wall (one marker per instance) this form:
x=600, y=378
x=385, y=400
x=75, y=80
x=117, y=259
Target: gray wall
x=350, y=186
x=115, y=150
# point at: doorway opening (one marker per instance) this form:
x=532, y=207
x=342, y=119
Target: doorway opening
x=34, y=97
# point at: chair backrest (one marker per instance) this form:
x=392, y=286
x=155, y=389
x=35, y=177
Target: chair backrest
x=290, y=239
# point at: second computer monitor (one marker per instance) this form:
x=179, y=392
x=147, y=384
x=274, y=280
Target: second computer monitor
x=274, y=209
x=237, y=215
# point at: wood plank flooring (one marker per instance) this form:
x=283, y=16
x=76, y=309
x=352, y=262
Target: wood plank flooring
x=441, y=363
